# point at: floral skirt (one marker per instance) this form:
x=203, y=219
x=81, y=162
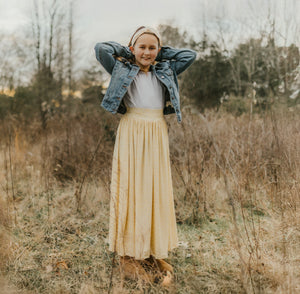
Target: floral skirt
x=142, y=216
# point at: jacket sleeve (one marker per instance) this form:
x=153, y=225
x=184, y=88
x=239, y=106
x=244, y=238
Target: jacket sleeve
x=106, y=53
x=181, y=59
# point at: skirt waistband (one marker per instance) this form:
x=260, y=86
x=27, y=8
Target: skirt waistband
x=146, y=113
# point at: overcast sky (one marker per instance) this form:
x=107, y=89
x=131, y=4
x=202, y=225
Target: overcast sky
x=99, y=20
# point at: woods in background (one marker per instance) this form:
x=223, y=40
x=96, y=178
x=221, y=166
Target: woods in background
x=39, y=77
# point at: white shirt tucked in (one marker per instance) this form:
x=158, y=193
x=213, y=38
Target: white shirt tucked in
x=145, y=91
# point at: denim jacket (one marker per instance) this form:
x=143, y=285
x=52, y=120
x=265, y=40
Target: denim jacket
x=170, y=62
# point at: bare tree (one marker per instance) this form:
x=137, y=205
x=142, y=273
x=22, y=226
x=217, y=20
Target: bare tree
x=14, y=61
x=70, y=56
x=36, y=31
x=51, y=53
x=52, y=20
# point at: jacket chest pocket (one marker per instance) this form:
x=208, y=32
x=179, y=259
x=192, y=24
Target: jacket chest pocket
x=170, y=75
x=169, y=72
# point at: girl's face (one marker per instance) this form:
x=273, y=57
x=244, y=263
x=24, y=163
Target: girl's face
x=145, y=50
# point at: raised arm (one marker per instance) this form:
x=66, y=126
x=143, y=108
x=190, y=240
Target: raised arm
x=106, y=53
x=180, y=59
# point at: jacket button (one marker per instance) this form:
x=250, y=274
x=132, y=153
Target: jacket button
x=162, y=77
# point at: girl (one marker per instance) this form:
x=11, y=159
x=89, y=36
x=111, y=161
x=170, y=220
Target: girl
x=143, y=87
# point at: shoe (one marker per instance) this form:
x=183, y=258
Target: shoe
x=164, y=266
x=133, y=270
x=161, y=271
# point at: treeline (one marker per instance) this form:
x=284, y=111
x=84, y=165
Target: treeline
x=257, y=69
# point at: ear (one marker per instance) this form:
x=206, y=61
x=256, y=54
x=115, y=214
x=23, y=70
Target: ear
x=159, y=49
x=131, y=48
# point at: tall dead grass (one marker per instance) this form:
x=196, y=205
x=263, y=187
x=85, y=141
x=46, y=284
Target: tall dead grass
x=236, y=185
x=249, y=168
x=5, y=246
x=4, y=234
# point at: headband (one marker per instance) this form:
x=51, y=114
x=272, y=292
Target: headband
x=143, y=31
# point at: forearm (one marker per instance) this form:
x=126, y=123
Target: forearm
x=180, y=59
x=114, y=48
x=170, y=53
x=107, y=51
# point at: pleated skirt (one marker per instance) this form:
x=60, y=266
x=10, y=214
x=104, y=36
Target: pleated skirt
x=142, y=217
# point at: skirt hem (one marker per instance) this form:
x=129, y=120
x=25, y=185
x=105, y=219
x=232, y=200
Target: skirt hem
x=163, y=256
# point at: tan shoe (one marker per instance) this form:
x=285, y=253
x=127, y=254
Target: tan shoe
x=164, y=266
x=133, y=270
x=160, y=269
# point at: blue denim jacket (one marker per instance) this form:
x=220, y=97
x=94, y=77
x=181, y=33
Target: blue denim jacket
x=170, y=63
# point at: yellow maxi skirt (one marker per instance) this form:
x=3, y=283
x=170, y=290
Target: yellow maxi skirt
x=142, y=216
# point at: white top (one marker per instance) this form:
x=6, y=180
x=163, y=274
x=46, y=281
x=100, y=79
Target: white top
x=145, y=91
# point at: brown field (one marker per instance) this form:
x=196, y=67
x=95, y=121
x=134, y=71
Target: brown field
x=237, y=195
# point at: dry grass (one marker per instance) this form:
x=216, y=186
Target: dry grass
x=236, y=184
x=4, y=232
x=5, y=247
